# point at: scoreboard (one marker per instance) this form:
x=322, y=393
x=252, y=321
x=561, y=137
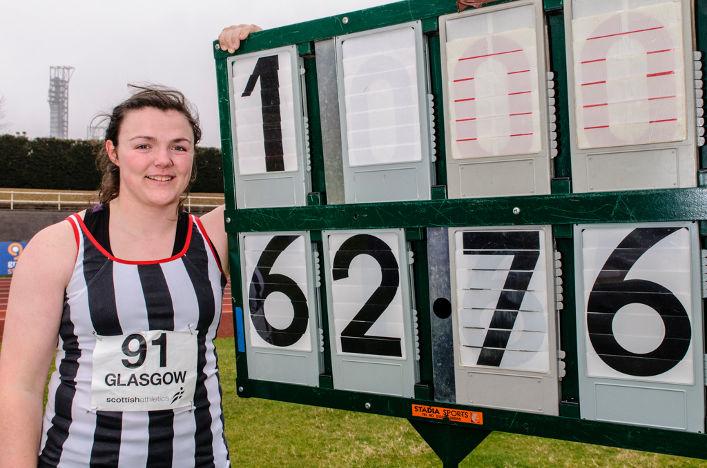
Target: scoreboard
x=478, y=220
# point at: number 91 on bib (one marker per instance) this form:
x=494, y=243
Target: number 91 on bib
x=145, y=371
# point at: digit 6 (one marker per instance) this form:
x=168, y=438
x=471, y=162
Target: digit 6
x=263, y=283
x=604, y=303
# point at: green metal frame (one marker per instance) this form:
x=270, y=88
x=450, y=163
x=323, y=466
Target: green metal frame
x=561, y=209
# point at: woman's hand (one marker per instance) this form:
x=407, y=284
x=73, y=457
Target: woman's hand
x=231, y=37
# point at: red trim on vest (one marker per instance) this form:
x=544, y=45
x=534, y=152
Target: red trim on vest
x=135, y=262
x=211, y=245
x=71, y=219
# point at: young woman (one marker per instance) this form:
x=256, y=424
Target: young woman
x=132, y=290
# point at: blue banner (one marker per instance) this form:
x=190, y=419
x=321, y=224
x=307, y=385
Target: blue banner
x=9, y=254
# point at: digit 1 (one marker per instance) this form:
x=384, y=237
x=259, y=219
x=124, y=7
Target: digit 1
x=162, y=343
x=525, y=248
x=266, y=71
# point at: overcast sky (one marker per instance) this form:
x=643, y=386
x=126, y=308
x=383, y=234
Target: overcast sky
x=112, y=43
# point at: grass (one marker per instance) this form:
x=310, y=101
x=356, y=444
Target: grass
x=263, y=433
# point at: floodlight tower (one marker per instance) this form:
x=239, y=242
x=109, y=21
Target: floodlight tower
x=59, y=101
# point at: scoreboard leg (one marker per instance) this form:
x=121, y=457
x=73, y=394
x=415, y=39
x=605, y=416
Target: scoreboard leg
x=451, y=443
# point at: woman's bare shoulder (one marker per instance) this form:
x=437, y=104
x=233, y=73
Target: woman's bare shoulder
x=53, y=248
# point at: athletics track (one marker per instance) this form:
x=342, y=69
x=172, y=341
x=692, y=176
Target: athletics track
x=224, y=330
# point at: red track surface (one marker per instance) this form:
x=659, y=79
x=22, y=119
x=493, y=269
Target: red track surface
x=224, y=330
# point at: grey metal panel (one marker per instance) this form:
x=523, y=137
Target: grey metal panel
x=512, y=172
x=362, y=272
x=298, y=362
x=327, y=87
x=521, y=373
x=664, y=262
x=388, y=181
x=667, y=164
x=441, y=330
x=263, y=188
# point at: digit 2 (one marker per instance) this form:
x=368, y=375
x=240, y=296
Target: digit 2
x=525, y=248
x=263, y=283
x=266, y=71
x=353, y=336
x=612, y=291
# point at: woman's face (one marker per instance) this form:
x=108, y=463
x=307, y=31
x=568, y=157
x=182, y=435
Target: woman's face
x=155, y=152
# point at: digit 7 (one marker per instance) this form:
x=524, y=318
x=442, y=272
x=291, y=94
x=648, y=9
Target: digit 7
x=525, y=248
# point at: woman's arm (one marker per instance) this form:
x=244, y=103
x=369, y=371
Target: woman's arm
x=30, y=338
x=213, y=222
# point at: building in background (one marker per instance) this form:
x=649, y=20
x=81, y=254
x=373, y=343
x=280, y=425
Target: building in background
x=59, y=101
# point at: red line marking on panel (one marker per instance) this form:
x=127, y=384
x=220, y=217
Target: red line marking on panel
x=519, y=92
x=520, y=113
x=468, y=139
x=598, y=126
x=626, y=32
x=664, y=120
x=463, y=79
x=594, y=82
x=651, y=75
x=521, y=134
x=661, y=97
x=597, y=105
x=658, y=51
x=466, y=120
x=519, y=71
x=595, y=60
x=490, y=55
x=467, y=99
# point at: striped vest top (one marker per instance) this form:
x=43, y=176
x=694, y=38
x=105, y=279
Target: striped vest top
x=107, y=296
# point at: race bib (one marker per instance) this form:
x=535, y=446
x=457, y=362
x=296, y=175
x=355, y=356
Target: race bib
x=146, y=371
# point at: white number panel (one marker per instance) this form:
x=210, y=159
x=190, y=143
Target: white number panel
x=630, y=66
x=384, y=114
x=370, y=312
x=496, y=101
x=640, y=338
x=270, y=150
x=503, y=302
x=280, y=307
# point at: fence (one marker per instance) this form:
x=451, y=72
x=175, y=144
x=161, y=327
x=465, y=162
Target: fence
x=69, y=200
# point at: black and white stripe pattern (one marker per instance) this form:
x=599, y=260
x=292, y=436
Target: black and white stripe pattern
x=107, y=296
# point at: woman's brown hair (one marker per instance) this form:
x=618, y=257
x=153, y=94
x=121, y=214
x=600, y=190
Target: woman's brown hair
x=159, y=97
